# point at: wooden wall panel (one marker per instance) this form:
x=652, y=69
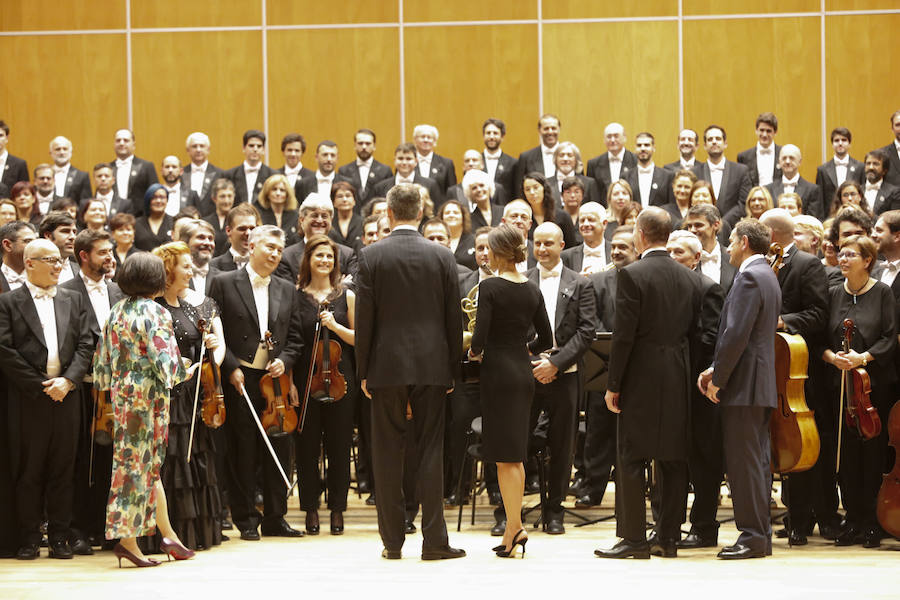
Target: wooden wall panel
x=199, y=13
x=451, y=85
x=863, y=104
x=52, y=15
x=591, y=9
x=717, y=7
x=861, y=5
x=743, y=67
x=469, y=10
x=77, y=88
x=297, y=12
x=355, y=82
x=588, y=85
x=218, y=91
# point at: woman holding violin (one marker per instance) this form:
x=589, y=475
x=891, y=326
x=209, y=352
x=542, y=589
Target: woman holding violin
x=323, y=377
x=869, y=357
x=195, y=504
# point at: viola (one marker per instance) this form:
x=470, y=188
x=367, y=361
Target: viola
x=325, y=382
x=888, y=508
x=278, y=418
x=212, y=409
x=104, y=416
x=858, y=410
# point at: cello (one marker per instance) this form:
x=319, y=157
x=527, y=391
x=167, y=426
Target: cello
x=888, y=507
x=325, y=382
x=278, y=419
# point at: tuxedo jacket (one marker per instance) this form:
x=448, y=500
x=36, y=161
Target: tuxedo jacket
x=437, y=196
x=205, y=203
x=598, y=168
x=23, y=349
x=500, y=197
x=78, y=185
x=378, y=172
x=142, y=176
x=306, y=186
x=76, y=285
x=748, y=157
x=529, y=161
x=575, y=319
x=809, y=193
x=406, y=310
x=590, y=190
x=223, y=263
x=221, y=238
x=893, y=174
x=16, y=170
x=727, y=271
x=604, y=286
x=735, y=184
x=239, y=179
x=116, y=205
x=888, y=198
x=826, y=179
x=4, y=287
x=234, y=295
x=676, y=166
x=660, y=187
x=289, y=267
x=895, y=289
x=300, y=182
x=478, y=219
x=804, y=294
x=506, y=170
x=443, y=172
x=573, y=257
x=353, y=239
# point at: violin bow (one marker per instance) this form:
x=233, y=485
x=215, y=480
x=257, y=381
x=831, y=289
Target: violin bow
x=312, y=365
x=197, y=390
x=265, y=438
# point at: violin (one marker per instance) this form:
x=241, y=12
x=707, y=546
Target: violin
x=278, y=418
x=212, y=409
x=104, y=416
x=888, y=507
x=325, y=381
x=856, y=385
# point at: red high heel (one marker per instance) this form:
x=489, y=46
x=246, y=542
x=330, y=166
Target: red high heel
x=120, y=552
x=175, y=550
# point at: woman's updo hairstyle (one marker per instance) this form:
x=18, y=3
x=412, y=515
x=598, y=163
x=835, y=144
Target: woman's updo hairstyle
x=507, y=242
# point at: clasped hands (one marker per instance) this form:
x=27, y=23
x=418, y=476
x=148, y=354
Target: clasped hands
x=544, y=370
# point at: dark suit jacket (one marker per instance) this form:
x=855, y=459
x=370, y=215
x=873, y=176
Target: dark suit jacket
x=378, y=172
x=437, y=196
x=479, y=221
x=76, y=284
x=575, y=319
x=239, y=179
x=116, y=205
x=745, y=351
x=529, y=161
x=598, y=168
x=289, y=220
x=455, y=192
x=893, y=175
x=354, y=232
x=657, y=315
x=306, y=186
x=234, y=295
x=888, y=198
x=506, y=170
x=826, y=179
x=407, y=309
x=809, y=193
x=735, y=184
x=660, y=188
x=590, y=190
x=223, y=263
x=748, y=157
x=16, y=170
x=804, y=294
x=443, y=172
x=205, y=203
x=895, y=288
x=221, y=238
x=573, y=257
x=604, y=284
x=78, y=185
x=289, y=267
x=300, y=182
x=142, y=176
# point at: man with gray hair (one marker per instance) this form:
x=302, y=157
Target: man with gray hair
x=567, y=161
x=69, y=182
x=133, y=175
x=684, y=247
x=592, y=255
x=790, y=181
x=616, y=163
x=200, y=238
x=200, y=174
x=430, y=164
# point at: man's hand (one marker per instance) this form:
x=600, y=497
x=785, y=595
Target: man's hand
x=612, y=402
x=544, y=370
x=362, y=384
x=275, y=368
x=237, y=380
x=57, y=388
x=712, y=392
x=704, y=379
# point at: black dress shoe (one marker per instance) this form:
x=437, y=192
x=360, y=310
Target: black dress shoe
x=499, y=528
x=409, y=528
x=337, y=522
x=694, y=540
x=872, y=537
x=664, y=548
x=781, y=533
x=59, y=549
x=849, y=536
x=575, y=488
x=442, y=553
x=740, y=551
x=391, y=554
x=280, y=529
x=652, y=537
x=494, y=498
x=81, y=547
x=555, y=527
x=370, y=501
x=625, y=549
x=29, y=552
x=532, y=486
x=829, y=532
x=796, y=538
x=586, y=501
x=363, y=487
x=250, y=534
x=312, y=522
x=227, y=525
x=96, y=540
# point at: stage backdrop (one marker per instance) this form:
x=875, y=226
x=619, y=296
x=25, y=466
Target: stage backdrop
x=326, y=68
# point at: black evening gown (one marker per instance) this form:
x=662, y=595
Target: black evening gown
x=507, y=314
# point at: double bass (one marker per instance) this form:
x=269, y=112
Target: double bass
x=278, y=418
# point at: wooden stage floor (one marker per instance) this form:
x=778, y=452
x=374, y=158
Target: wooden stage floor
x=555, y=566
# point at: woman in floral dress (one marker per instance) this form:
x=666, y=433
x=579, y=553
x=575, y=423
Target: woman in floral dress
x=137, y=359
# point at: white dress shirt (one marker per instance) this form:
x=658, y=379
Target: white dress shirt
x=491, y=161
x=198, y=172
x=687, y=165
x=716, y=172
x=98, y=293
x=44, y=202
x=15, y=280
x=840, y=168
x=890, y=272
x=174, y=203
x=240, y=261
x=550, y=280
x=199, y=278
x=872, y=190
x=765, y=163
x=324, y=183
x=593, y=259
x=60, y=174
x=424, y=164
x=47, y=315
x=260, y=286
x=364, y=167
x=67, y=272
x=711, y=263
x=615, y=164
x=106, y=200
x=3, y=156
x=250, y=175
x=748, y=260
x=790, y=184
x=547, y=156
x=398, y=178
x=123, y=174
x=645, y=183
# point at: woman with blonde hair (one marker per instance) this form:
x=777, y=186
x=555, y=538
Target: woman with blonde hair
x=277, y=205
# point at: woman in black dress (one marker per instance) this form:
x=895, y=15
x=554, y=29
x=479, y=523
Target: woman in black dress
x=324, y=300
x=346, y=227
x=195, y=503
x=121, y=227
x=462, y=242
x=277, y=205
x=155, y=227
x=508, y=306
x=539, y=196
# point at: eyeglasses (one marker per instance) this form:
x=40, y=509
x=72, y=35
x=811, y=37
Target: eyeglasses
x=50, y=260
x=848, y=254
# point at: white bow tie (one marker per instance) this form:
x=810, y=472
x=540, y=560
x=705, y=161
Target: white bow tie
x=249, y=169
x=240, y=261
x=121, y=163
x=613, y=159
x=321, y=179
x=48, y=292
x=893, y=267
x=290, y=171
x=258, y=282
x=598, y=251
x=361, y=163
x=706, y=257
x=94, y=286
x=645, y=170
x=714, y=168
x=59, y=169
x=16, y=278
x=766, y=151
x=548, y=274
x=841, y=163
x=406, y=180
x=201, y=271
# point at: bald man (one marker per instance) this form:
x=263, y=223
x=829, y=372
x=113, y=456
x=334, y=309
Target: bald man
x=45, y=350
x=790, y=181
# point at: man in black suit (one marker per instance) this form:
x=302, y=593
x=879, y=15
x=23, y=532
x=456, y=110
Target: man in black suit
x=833, y=173
x=326, y=173
x=880, y=195
x=59, y=228
x=44, y=187
x=657, y=315
x=200, y=238
x=239, y=223
x=69, y=182
x=592, y=255
x=293, y=147
x=892, y=151
x=886, y=234
x=364, y=172
x=763, y=160
x=105, y=191
x=730, y=180
x=14, y=237
x=539, y=158
x=403, y=304
x=12, y=168
x=431, y=164
x=518, y=214
x=616, y=163
x=704, y=221
x=200, y=174
x=405, y=171
x=791, y=181
x=498, y=164
x=45, y=350
x=688, y=140
x=652, y=185
x=253, y=302
x=93, y=250
x=740, y=380
x=567, y=162
x=180, y=195
x=249, y=177
x=133, y=175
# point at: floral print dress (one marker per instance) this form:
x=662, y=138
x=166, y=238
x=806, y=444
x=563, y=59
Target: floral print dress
x=137, y=359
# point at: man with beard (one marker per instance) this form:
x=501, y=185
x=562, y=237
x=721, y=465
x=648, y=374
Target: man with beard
x=59, y=228
x=499, y=165
x=540, y=158
x=200, y=238
x=44, y=191
x=652, y=185
x=239, y=222
x=687, y=147
x=591, y=255
x=892, y=152
x=365, y=171
x=881, y=195
x=180, y=195
x=13, y=238
x=326, y=175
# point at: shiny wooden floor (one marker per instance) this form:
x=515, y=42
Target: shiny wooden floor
x=351, y=566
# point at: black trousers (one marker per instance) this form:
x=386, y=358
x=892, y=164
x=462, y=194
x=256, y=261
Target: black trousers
x=558, y=399
x=49, y=439
x=389, y=438
x=599, y=445
x=9, y=524
x=92, y=476
x=705, y=466
x=246, y=451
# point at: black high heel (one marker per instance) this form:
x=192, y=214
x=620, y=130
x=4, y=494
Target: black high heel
x=517, y=541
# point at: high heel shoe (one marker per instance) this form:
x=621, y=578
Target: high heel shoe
x=120, y=552
x=175, y=550
x=520, y=539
